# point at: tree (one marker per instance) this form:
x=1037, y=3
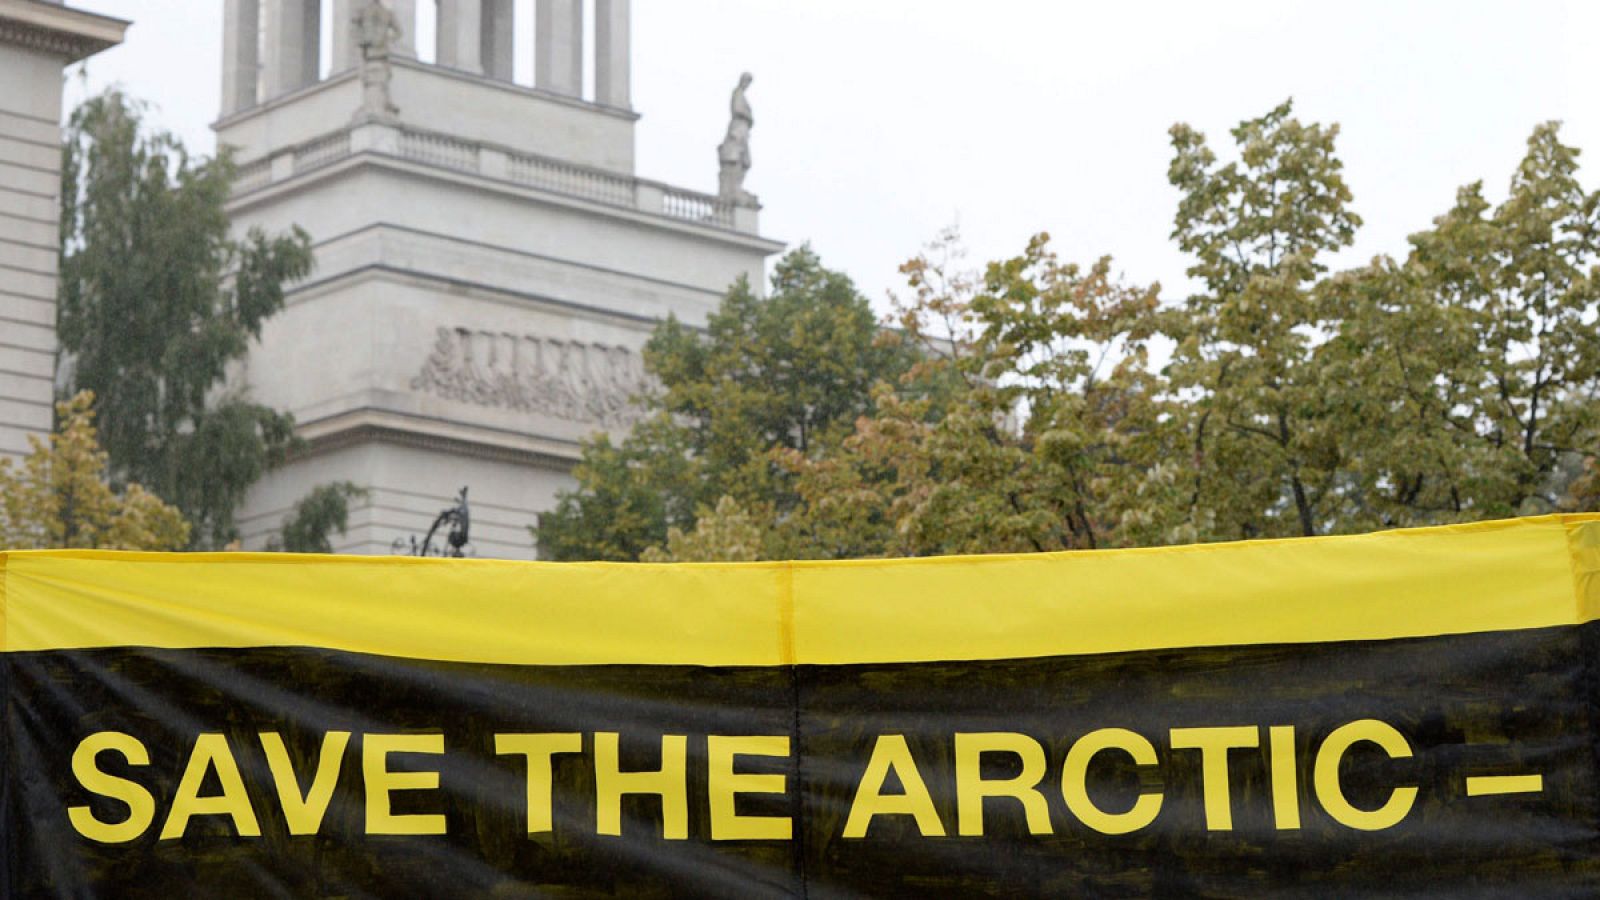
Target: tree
x=1018, y=409
x=59, y=497
x=1459, y=385
x=1264, y=455
x=1483, y=342
x=1031, y=421
x=1583, y=492
x=790, y=371
x=725, y=534
x=316, y=516
x=628, y=496
x=156, y=301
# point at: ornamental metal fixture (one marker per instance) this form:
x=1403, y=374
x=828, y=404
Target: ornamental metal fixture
x=455, y=543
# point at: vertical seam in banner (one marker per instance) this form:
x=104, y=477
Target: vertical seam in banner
x=1583, y=554
x=786, y=615
x=786, y=658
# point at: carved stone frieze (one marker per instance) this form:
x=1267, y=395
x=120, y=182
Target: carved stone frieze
x=71, y=47
x=572, y=380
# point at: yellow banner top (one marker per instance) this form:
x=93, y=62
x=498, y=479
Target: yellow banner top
x=1490, y=576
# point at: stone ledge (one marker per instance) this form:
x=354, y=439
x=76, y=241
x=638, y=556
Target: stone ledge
x=367, y=425
x=69, y=33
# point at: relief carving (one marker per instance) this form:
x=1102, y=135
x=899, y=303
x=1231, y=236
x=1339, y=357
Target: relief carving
x=572, y=380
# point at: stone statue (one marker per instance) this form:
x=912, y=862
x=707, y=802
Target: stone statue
x=734, y=153
x=376, y=30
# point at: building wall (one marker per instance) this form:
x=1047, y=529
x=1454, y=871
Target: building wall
x=30, y=180
x=488, y=266
x=408, y=484
x=461, y=328
x=36, y=40
x=473, y=217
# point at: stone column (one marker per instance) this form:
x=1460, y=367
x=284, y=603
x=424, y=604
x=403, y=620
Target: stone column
x=241, y=61
x=461, y=35
x=292, y=31
x=611, y=53
x=558, y=47
x=499, y=29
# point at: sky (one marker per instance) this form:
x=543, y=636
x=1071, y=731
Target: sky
x=880, y=124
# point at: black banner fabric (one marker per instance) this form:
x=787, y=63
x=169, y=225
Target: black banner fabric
x=1451, y=765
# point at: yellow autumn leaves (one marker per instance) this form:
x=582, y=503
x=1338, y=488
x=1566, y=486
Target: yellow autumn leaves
x=59, y=496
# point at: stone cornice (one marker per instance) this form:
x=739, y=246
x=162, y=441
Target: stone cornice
x=367, y=426
x=69, y=33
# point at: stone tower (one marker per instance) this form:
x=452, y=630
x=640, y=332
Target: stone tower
x=488, y=263
x=36, y=40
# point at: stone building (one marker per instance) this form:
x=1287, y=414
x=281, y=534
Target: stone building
x=488, y=262
x=36, y=40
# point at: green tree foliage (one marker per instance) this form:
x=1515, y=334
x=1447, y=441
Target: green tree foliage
x=1259, y=228
x=316, y=516
x=788, y=372
x=628, y=496
x=726, y=533
x=59, y=496
x=1484, y=350
x=156, y=300
x=1030, y=408
x=1041, y=404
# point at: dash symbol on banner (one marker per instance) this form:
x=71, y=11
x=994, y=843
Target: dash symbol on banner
x=1489, y=785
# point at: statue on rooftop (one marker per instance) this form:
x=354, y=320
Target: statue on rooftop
x=376, y=30
x=734, y=152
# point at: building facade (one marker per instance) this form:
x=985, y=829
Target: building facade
x=36, y=40
x=488, y=262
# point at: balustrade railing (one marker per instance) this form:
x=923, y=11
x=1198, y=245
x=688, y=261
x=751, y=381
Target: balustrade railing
x=564, y=178
x=322, y=151
x=697, y=207
x=535, y=171
x=438, y=150
x=252, y=176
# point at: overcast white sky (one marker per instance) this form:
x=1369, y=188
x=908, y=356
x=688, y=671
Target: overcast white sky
x=879, y=122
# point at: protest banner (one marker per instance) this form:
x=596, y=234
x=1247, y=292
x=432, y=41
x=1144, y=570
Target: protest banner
x=1410, y=711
